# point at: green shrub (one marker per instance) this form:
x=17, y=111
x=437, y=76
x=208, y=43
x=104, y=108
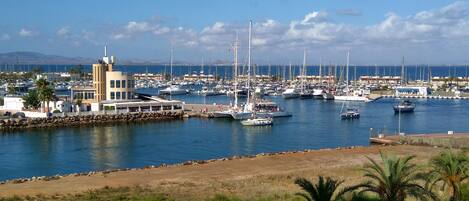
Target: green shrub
x=56, y=111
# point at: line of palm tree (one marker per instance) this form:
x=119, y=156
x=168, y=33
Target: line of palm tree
x=449, y=169
x=324, y=190
x=395, y=180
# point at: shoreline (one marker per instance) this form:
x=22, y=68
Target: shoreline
x=343, y=162
x=184, y=163
x=11, y=125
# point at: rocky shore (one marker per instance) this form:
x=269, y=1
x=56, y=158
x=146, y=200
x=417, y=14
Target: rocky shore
x=85, y=120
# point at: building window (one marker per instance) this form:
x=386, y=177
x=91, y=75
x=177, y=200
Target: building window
x=112, y=95
x=123, y=95
x=129, y=83
x=112, y=83
x=118, y=84
x=123, y=84
x=129, y=95
x=118, y=95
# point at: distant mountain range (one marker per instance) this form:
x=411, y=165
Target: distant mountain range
x=41, y=59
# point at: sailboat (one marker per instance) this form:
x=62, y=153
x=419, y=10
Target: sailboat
x=351, y=95
x=172, y=89
x=248, y=106
x=349, y=113
x=304, y=94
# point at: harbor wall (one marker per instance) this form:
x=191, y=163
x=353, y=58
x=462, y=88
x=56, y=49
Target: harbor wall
x=84, y=120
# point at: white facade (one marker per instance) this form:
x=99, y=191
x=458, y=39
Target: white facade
x=62, y=106
x=416, y=91
x=119, y=86
x=12, y=103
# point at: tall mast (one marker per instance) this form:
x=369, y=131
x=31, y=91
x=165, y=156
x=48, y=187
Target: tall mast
x=235, y=75
x=171, y=64
x=249, y=63
x=303, y=71
x=320, y=70
x=347, y=71
x=402, y=72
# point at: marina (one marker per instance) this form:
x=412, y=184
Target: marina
x=314, y=124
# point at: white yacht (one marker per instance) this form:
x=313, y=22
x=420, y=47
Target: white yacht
x=349, y=94
x=257, y=121
x=290, y=93
x=173, y=90
x=270, y=109
x=318, y=94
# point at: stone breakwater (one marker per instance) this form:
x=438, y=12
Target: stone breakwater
x=85, y=120
x=186, y=163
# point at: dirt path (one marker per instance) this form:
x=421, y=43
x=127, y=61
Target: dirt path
x=246, y=176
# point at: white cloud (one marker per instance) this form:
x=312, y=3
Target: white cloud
x=133, y=28
x=24, y=32
x=64, y=32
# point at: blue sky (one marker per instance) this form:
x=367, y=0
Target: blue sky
x=425, y=31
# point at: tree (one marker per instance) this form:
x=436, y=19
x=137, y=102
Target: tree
x=31, y=100
x=324, y=190
x=395, y=180
x=46, y=95
x=449, y=169
x=42, y=83
x=44, y=92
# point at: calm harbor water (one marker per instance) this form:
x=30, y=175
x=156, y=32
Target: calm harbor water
x=315, y=124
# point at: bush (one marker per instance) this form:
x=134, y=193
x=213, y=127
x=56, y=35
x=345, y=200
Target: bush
x=56, y=111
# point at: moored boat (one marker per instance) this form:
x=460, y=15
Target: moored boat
x=350, y=114
x=290, y=93
x=257, y=121
x=404, y=107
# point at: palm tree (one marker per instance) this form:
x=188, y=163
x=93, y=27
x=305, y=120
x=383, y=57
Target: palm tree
x=324, y=190
x=46, y=95
x=395, y=180
x=450, y=169
x=41, y=85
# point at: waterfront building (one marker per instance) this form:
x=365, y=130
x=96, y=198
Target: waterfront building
x=142, y=106
x=83, y=93
x=412, y=91
x=197, y=77
x=316, y=79
x=393, y=80
x=119, y=86
x=148, y=76
x=99, y=76
x=12, y=104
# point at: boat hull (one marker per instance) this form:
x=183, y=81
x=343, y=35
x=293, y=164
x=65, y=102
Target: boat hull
x=257, y=122
x=403, y=109
x=352, y=98
x=290, y=96
x=241, y=115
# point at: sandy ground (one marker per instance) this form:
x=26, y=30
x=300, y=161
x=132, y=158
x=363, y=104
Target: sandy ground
x=246, y=177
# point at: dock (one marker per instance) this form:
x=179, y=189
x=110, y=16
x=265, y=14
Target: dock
x=429, y=97
x=450, y=139
x=203, y=110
